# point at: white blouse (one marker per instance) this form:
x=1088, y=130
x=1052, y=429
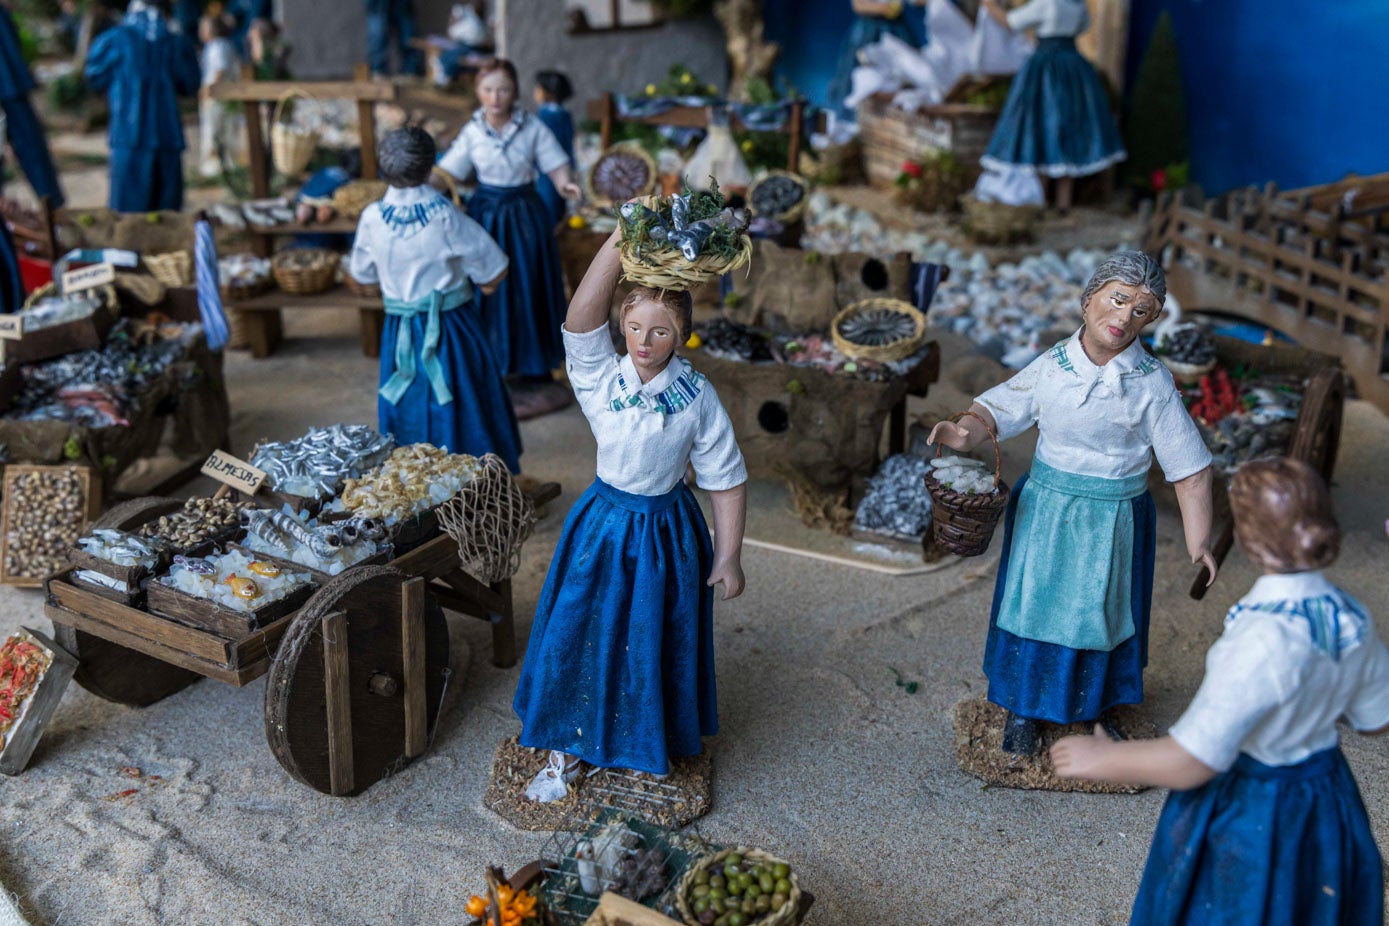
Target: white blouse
x=647, y=432
x=1106, y=421
x=415, y=242
x=1051, y=17
x=1297, y=654
x=504, y=158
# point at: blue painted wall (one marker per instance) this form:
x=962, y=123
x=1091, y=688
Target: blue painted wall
x=1293, y=91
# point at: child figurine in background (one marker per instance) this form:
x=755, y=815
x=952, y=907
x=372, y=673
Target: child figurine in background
x=268, y=51
x=220, y=64
x=619, y=671
x=552, y=91
x=1265, y=825
x=440, y=383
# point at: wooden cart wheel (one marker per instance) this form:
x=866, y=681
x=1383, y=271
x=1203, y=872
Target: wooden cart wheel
x=1318, y=434
x=109, y=670
x=355, y=688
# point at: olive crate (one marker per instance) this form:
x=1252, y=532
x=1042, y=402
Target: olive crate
x=130, y=576
x=26, y=518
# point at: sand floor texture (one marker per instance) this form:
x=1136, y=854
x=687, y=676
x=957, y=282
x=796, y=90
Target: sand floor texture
x=822, y=758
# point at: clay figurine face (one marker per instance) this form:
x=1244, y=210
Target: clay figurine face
x=497, y=93
x=651, y=332
x=1114, y=317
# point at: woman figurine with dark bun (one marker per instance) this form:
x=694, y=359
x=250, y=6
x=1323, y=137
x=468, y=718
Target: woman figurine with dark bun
x=552, y=90
x=440, y=383
x=1265, y=825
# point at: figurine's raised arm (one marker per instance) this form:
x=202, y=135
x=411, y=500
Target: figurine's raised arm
x=592, y=302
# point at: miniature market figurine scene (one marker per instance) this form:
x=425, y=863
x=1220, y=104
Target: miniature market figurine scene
x=693, y=463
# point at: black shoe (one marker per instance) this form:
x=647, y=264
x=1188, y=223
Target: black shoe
x=1111, y=728
x=1021, y=735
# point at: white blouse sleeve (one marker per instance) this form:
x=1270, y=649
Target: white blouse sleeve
x=1246, y=677
x=587, y=356
x=361, y=265
x=1014, y=403
x=1177, y=442
x=717, y=461
x=1369, y=709
x=1028, y=16
x=483, y=258
x=457, y=161
x=548, y=154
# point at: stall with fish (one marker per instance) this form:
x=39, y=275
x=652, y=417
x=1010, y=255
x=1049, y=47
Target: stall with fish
x=315, y=465
x=325, y=548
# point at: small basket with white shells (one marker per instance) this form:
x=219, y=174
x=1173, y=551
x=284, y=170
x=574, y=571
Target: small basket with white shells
x=966, y=499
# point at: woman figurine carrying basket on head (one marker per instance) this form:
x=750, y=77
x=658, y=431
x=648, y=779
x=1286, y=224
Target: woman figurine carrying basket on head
x=1068, y=629
x=619, y=671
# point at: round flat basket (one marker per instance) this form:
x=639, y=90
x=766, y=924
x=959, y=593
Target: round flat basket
x=781, y=195
x=1187, y=373
x=962, y=523
x=292, y=148
x=879, y=329
x=353, y=197
x=305, y=271
x=785, y=915
x=621, y=172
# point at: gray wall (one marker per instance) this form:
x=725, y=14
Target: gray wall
x=330, y=36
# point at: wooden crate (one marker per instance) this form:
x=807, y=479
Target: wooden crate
x=89, y=507
x=131, y=576
x=34, y=715
x=614, y=910
x=205, y=614
x=56, y=340
x=891, y=136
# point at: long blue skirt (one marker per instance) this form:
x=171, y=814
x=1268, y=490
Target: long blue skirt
x=146, y=180
x=1265, y=845
x=11, y=283
x=480, y=419
x=1057, y=117
x=522, y=318
x=865, y=31
x=620, y=665
x=1046, y=681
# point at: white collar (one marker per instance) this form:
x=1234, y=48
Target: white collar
x=409, y=195
x=658, y=383
x=518, y=119
x=1286, y=586
x=1112, y=373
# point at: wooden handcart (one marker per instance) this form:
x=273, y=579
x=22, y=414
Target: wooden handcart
x=356, y=677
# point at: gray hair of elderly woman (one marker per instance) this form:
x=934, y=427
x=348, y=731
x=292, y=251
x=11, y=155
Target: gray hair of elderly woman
x=1133, y=268
x=406, y=156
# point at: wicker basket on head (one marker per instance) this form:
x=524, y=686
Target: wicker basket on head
x=605, y=187
x=786, y=216
x=962, y=523
x=172, y=269
x=991, y=222
x=667, y=268
x=305, y=271
x=785, y=915
x=911, y=322
x=291, y=147
x=352, y=198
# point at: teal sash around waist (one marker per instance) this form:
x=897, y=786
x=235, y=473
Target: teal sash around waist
x=433, y=304
x=1070, y=565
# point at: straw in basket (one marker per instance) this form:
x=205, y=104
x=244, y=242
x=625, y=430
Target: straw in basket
x=292, y=147
x=963, y=523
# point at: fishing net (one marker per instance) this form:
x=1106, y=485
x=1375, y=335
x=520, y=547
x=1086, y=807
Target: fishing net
x=490, y=518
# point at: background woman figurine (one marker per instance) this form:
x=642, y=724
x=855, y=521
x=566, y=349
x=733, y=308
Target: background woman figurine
x=1057, y=119
x=439, y=380
x=620, y=667
x=25, y=131
x=144, y=68
x=501, y=143
x=552, y=90
x=1068, y=630
x=872, y=20
x=1265, y=825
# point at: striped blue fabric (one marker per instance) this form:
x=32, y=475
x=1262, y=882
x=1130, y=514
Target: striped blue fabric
x=209, y=287
x=674, y=398
x=1336, y=622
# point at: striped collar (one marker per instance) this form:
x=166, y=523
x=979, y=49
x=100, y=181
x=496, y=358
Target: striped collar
x=1335, y=622
x=1132, y=361
x=407, y=211
x=508, y=131
x=668, y=392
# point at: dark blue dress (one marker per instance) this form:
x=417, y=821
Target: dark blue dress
x=144, y=67
x=865, y=31
x=385, y=17
x=562, y=125
x=11, y=285
x=26, y=133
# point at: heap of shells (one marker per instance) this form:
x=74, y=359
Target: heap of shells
x=47, y=513
x=414, y=479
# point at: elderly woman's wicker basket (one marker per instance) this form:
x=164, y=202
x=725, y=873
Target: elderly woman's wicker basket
x=962, y=523
x=785, y=915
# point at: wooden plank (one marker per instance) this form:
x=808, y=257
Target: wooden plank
x=469, y=587
x=219, y=671
x=412, y=647
x=504, y=630
x=270, y=91
x=450, y=600
x=338, y=298
x=337, y=692
x=430, y=560
x=366, y=124
x=340, y=225
x=34, y=714
x=155, y=630
x=259, y=646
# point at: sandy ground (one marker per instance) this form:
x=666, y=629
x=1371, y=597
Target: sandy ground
x=821, y=759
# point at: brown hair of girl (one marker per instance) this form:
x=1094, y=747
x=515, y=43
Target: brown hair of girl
x=498, y=64
x=676, y=302
x=1283, y=516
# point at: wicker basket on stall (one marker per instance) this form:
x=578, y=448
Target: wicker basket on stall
x=606, y=185
x=172, y=269
x=360, y=290
x=901, y=330
x=785, y=915
x=353, y=197
x=667, y=267
x=291, y=147
x=786, y=216
x=305, y=271
x=997, y=223
x=962, y=523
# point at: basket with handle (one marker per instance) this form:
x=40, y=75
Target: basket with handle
x=172, y=269
x=963, y=523
x=291, y=147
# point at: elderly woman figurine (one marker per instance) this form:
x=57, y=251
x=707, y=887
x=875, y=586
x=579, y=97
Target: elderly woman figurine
x=620, y=667
x=1068, y=630
x=439, y=381
x=1265, y=825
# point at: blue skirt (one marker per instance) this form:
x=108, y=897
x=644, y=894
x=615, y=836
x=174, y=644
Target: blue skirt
x=865, y=31
x=1057, y=117
x=522, y=318
x=620, y=665
x=1265, y=845
x=1046, y=681
x=480, y=418
x=11, y=283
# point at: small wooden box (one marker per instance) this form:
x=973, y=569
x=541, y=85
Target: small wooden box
x=205, y=614
x=614, y=910
x=891, y=136
x=35, y=713
x=132, y=576
x=56, y=340
x=10, y=513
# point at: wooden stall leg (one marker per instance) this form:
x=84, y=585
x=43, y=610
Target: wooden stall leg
x=373, y=321
x=263, y=332
x=336, y=677
x=412, y=649
x=503, y=629
x=897, y=427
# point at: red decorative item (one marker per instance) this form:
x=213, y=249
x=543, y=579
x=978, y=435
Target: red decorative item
x=1158, y=180
x=911, y=169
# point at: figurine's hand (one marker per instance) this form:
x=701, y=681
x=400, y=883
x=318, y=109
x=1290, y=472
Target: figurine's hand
x=1207, y=559
x=731, y=575
x=952, y=435
x=1081, y=756
x=571, y=191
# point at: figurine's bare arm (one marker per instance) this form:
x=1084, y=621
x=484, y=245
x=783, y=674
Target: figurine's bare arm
x=592, y=302
x=967, y=433
x=490, y=287
x=1159, y=763
x=730, y=518
x=563, y=179
x=997, y=12
x=1194, y=501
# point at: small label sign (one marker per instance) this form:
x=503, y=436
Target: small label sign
x=96, y=275
x=236, y=473
x=11, y=327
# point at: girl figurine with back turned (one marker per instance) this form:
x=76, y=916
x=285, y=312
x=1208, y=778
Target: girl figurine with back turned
x=552, y=90
x=619, y=671
x=440, y=383
x=1068, y=629
x=1265, y=825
